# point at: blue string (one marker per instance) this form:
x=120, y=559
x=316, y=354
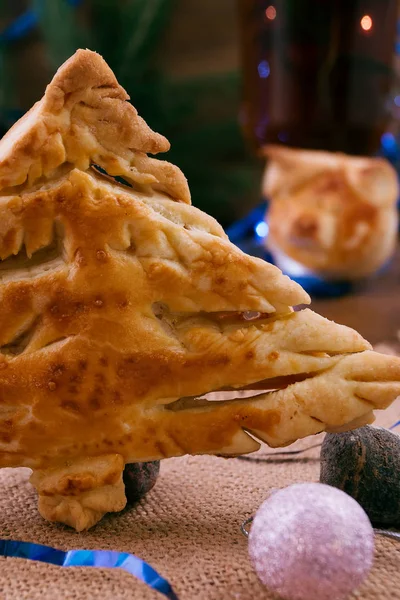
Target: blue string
x=89, y=558
x=25, y=23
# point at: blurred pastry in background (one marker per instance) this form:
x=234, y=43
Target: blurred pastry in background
x=333, y=214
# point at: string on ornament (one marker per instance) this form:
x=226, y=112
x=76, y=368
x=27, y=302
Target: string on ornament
x=267, y=456
x=279, y=453
x=395, y=535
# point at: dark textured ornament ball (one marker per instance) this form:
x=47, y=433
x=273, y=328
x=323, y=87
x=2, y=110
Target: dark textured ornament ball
x=140, y=478
x=365, y=464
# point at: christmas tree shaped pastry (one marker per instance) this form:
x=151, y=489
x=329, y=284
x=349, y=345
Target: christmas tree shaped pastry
x=122, y=306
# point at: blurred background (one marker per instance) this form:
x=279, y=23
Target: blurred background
x=222, y=78
x=201, y=73
x=178, y=60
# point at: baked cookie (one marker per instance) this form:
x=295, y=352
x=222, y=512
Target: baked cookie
x=335, y=214
x=122, y=306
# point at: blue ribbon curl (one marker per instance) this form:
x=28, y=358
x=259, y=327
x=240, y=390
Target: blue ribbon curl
x=89, y=558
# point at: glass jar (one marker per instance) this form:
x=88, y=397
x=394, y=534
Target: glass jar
x=316, y=73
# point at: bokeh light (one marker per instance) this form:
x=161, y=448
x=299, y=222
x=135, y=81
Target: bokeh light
x=366, y=23
x=270, y=12
x=261, y=229
x=389, y=142
x=264, y=69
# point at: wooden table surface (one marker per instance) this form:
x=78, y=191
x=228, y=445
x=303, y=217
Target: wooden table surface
x=373, y=308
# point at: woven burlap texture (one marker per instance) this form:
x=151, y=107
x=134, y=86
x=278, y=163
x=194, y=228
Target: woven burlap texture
x=188, y=528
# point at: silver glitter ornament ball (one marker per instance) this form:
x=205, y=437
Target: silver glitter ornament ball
x=311, y=541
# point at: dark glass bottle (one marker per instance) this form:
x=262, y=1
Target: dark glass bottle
x=316, y=73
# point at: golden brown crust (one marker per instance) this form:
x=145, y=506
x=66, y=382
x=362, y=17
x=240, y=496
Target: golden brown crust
x=79, y=495
x=120, y=307
x=73, y=347
x=334, y=214
x=84, y=118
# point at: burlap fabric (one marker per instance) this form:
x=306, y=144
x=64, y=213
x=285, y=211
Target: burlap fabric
x=188, y=528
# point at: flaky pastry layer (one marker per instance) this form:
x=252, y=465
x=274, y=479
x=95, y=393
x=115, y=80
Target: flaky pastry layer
x=122, y=306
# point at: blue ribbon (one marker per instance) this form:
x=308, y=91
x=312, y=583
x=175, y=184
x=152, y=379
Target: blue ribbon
x=25, y=23
x=245, y=226
x=89, y=558
x=20, y=27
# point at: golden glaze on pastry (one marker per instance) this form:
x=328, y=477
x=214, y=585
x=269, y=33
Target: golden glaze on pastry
x=335, y=214
x=122, y=305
